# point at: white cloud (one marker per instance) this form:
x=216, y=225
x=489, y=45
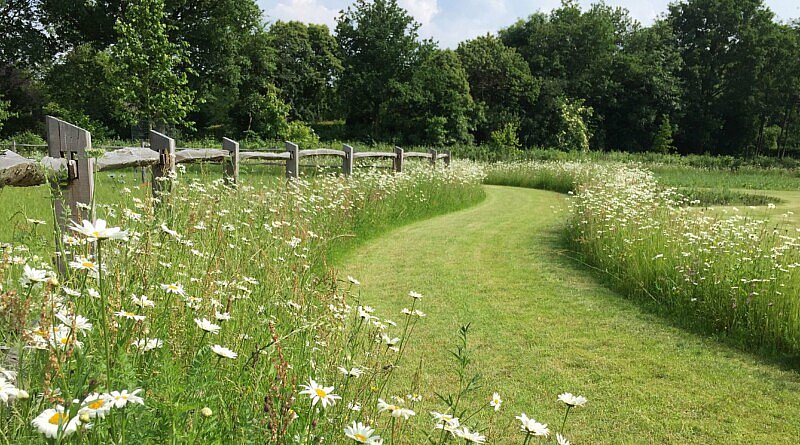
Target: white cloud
x=308, y=11
x=422, y=10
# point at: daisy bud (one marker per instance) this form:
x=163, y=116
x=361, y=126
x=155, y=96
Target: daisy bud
x=84, y=418
x=22, y=394
x=206, y=412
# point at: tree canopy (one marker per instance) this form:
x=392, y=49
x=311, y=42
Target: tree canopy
x=709, y=76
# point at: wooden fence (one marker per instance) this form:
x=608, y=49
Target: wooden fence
x=70, y=170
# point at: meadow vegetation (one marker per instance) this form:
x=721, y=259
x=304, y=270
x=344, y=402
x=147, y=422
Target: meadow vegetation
x=209, y=314
x=728, y=271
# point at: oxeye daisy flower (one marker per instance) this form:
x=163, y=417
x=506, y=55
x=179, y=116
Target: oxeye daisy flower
x=129, y=315
x=224, y=352
x=147, y=344
x=78, y=322
x=173, y=288
x=8, y=391
x=496, y=402
x=142, y=301
x=470, y=436
x=207, y=325
x=352, y=372
x=532, y=427
x=32, y=276
x=53, y=422
x=353, y=280
x=122, y=398
x=99, y=230
x=222, y=316
x=96, y=405
x=84, y=263
x=361, y=433
x=561, y=440
x=572, y=400
x=319, y=393
x=394, y=410
x=415, y=295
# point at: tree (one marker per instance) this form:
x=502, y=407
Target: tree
x=149, y=87
x=501, y=85
x=379, y=46
x=574, y=53
x=662, y=143
x=723, y=44
x=306, y=68
x=79, y=90
x=4, y=112
x=435, y=106
x=648, y=89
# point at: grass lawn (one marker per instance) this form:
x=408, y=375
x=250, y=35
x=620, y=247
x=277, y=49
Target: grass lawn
x=543, y=325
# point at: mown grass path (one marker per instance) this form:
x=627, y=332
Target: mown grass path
x=542, y=325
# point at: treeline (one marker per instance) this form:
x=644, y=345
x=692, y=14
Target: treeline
x=710, y=76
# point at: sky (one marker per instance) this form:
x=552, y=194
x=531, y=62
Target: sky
x=452, y=21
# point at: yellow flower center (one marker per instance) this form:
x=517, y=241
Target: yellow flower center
x=97, y=404
x=95, y=234
x=64, y=340
x=130, y=314
x=321, y=393
x=360, y=437
x=87, y=264
x=172, y=287
x=58, y=418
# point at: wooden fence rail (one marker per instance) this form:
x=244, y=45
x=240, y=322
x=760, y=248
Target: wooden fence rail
x=70, y=170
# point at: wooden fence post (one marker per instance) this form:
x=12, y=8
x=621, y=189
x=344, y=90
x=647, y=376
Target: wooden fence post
x=67, y=141
x=347, y=162
x=163, y=172
x=293, y=163
x=447, y=159
x=433, y=153
x=75, y=201
x=231, y=166
x=398, y=160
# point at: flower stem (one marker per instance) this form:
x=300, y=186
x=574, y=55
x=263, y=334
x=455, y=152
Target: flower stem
x=564, y=422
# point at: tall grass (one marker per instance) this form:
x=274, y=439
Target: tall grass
x=214, y=310
x=734, y=273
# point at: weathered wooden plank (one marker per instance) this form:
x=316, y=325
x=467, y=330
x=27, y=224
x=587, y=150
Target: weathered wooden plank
x=18, y=171
x=347, y=161
x=397, y=165
x=375, y=154
x=164, y=170
x=69, y=142
x=127, y=157
x=416, y=154
x=244, y=155
x=231, y=166
x=293, y=163
x=321, y=152
x=447, y=158
x=189, y=155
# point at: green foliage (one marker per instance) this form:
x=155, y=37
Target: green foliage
x=148, y=86
x=505, y=141
x=434, y=107
x=76, y=116
x=574, y=133
x=4, y=112
x=379, y=47
x=663, y=140
x=501, y=85
x=300, y=134
x=306, y=66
